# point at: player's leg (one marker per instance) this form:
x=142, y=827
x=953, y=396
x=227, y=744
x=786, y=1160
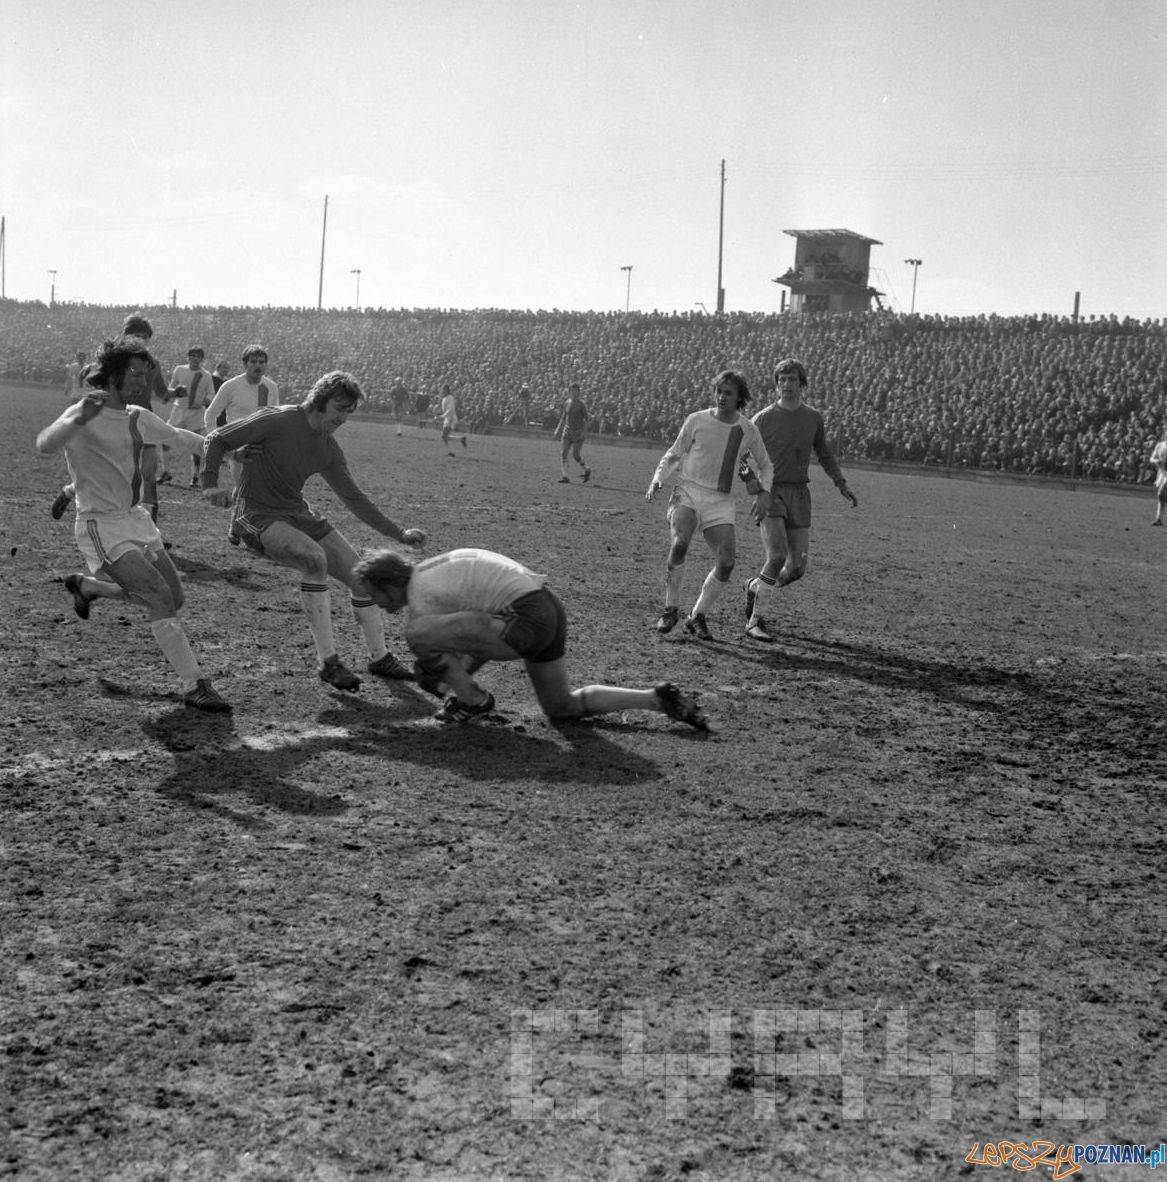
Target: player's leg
x=450, y=648
x=1160, y=501
x=564, y=452
x=722, y=540
x=286, y=545
x=559, y=701
x=342, y=558
x=577, y=455
x=150, y=578
x=682, y=527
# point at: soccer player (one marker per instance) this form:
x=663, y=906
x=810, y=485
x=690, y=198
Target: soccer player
x=791, y=431
x=105, y=437
x=449, y=416
x=706, y=453
x=74, y=377
x=572, y=428
x=468, y=607
x=243, y=395
x=1159, y=460
x=282, y=447
x=194, y=389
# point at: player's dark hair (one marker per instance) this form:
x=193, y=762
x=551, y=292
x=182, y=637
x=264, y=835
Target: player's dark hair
x=136, y=325
x=385, y=569
x=256, y=351
x=336, y=384
x=732, y=378
x=113, y=359
x=791, y=366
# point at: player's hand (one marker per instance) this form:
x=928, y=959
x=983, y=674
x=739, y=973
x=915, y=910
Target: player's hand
x=760, y=507
x=90, y=406
x=414, y=537
x=850, y=496
x=220, y=497
x=175, y=393
x=653, y=489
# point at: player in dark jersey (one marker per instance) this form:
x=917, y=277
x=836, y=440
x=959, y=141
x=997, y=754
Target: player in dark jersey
x=282, y=447
x=572, y=429
x=792, y=433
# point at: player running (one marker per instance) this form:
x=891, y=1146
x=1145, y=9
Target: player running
x=105, y=437
x=468, y=607
x=707, y=451
x=1159, y=460
x=791, y=431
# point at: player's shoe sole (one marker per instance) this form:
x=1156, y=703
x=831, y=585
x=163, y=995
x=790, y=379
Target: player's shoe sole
x=339, y=676
x=61, y=502
x=206, y=698
x=456, y=711
x=696, y=626
x=390, y=666
x=668, y=620
x=679, y=707
x=81, y=601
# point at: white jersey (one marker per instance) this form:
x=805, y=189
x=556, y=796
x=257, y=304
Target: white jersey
x=469, y=581
x=1159, y=459
x=708, y=450
x=238, y=398
x=450, y=411
x=188, y=410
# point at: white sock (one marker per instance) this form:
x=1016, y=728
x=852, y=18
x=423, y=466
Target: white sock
x=317, y=605
x=763, y=589
x=174, y=644
x=372, y=625
x=711, y=591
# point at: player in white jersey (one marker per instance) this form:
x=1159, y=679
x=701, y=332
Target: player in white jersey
x=792, y=433
x=193, y=390
x=1159, y=460
x=74, y=379
x=243, y=395
x=706, y=454
x=106, y=439
x=470, y=606
x=449, y=416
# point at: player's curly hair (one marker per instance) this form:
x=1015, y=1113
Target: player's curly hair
x=385, y=569
x=336, y=384
x=113, y=359
x=732, y=378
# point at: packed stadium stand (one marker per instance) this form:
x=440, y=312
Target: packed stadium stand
x=1038, y=395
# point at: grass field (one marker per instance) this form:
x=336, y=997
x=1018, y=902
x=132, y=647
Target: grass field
x=905, y=900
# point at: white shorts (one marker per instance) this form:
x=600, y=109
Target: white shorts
x=712, y=507
x=105, y=539
x=190, y=418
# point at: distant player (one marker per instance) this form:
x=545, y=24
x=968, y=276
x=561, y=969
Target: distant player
x=400, y=402
x=706, y=454
x=283, y=446
x=74, y=379
x=105, y=436
x=449, y=416
x=243, y=395
x=194, y=390
x=792, y=432
x=572, y=429
x=1159, y=460
x=468, y=607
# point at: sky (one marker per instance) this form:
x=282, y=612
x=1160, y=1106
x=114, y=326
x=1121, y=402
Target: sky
x=522, y=153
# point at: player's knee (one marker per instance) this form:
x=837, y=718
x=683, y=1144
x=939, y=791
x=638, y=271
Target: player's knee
x=564, y=708
x=723, y=570
x=793, y=571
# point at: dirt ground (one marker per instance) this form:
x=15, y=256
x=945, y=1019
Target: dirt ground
x=906, y=900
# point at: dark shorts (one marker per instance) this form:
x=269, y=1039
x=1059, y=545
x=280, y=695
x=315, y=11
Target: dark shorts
x=791, y=502
x=536, y=626
x=247, y=528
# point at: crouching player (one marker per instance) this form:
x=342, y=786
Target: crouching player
x=467, y=607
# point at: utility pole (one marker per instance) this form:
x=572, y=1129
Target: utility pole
x=915, y=264
x=323, y=235
x=53, y=289
x=357, y=272
x=721, y=244
x=3, y=262
x=628, y=294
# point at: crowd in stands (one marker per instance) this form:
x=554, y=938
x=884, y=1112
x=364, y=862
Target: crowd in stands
x=1036, y=395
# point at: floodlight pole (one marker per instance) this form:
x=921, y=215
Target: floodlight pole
x=915, y=264
x=357, y=272
x=721, y=244
x=628, y=293
x=53, y=289
x=323, y=234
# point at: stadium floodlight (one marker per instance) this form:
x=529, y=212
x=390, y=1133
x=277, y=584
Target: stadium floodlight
x=357, y=272
x=628, y=293
x=53, y=289
x=915, y=264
